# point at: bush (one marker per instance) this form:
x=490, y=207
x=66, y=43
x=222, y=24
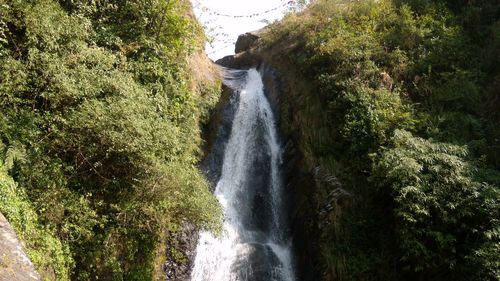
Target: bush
x=443, y=215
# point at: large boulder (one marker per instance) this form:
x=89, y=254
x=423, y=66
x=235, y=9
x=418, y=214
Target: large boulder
x=245, y=41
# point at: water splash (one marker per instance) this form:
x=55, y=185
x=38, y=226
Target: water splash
x=254, y=245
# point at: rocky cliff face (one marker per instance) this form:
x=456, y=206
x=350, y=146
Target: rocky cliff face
x=14, y=263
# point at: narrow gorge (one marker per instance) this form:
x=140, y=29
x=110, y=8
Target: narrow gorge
x=348, y=141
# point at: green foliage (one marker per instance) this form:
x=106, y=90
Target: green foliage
x=444, y=216
x=101, y=96
x=395, y=94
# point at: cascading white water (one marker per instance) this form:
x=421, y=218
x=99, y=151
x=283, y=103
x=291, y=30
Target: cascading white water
x=254, y=245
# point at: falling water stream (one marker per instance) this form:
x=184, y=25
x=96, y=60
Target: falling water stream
x=254, y=245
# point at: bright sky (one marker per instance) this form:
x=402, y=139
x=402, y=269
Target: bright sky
x=226, y=19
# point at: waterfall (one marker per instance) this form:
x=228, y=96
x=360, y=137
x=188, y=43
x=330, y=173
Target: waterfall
x=254, y=245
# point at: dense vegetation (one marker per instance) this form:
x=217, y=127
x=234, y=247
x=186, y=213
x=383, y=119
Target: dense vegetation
x=100, y=133
x=399, y=101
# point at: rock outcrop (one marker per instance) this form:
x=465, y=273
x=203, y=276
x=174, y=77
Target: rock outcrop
x=14, y=263
x=245, y=41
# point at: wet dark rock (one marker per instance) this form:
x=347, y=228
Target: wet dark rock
x=184, y=242
x=259, y=179
x=261, y=207
x=217, y=134
x=260, y=263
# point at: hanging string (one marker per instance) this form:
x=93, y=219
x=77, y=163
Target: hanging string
x=221, y=48
x=229, y=43
x=216, y=13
